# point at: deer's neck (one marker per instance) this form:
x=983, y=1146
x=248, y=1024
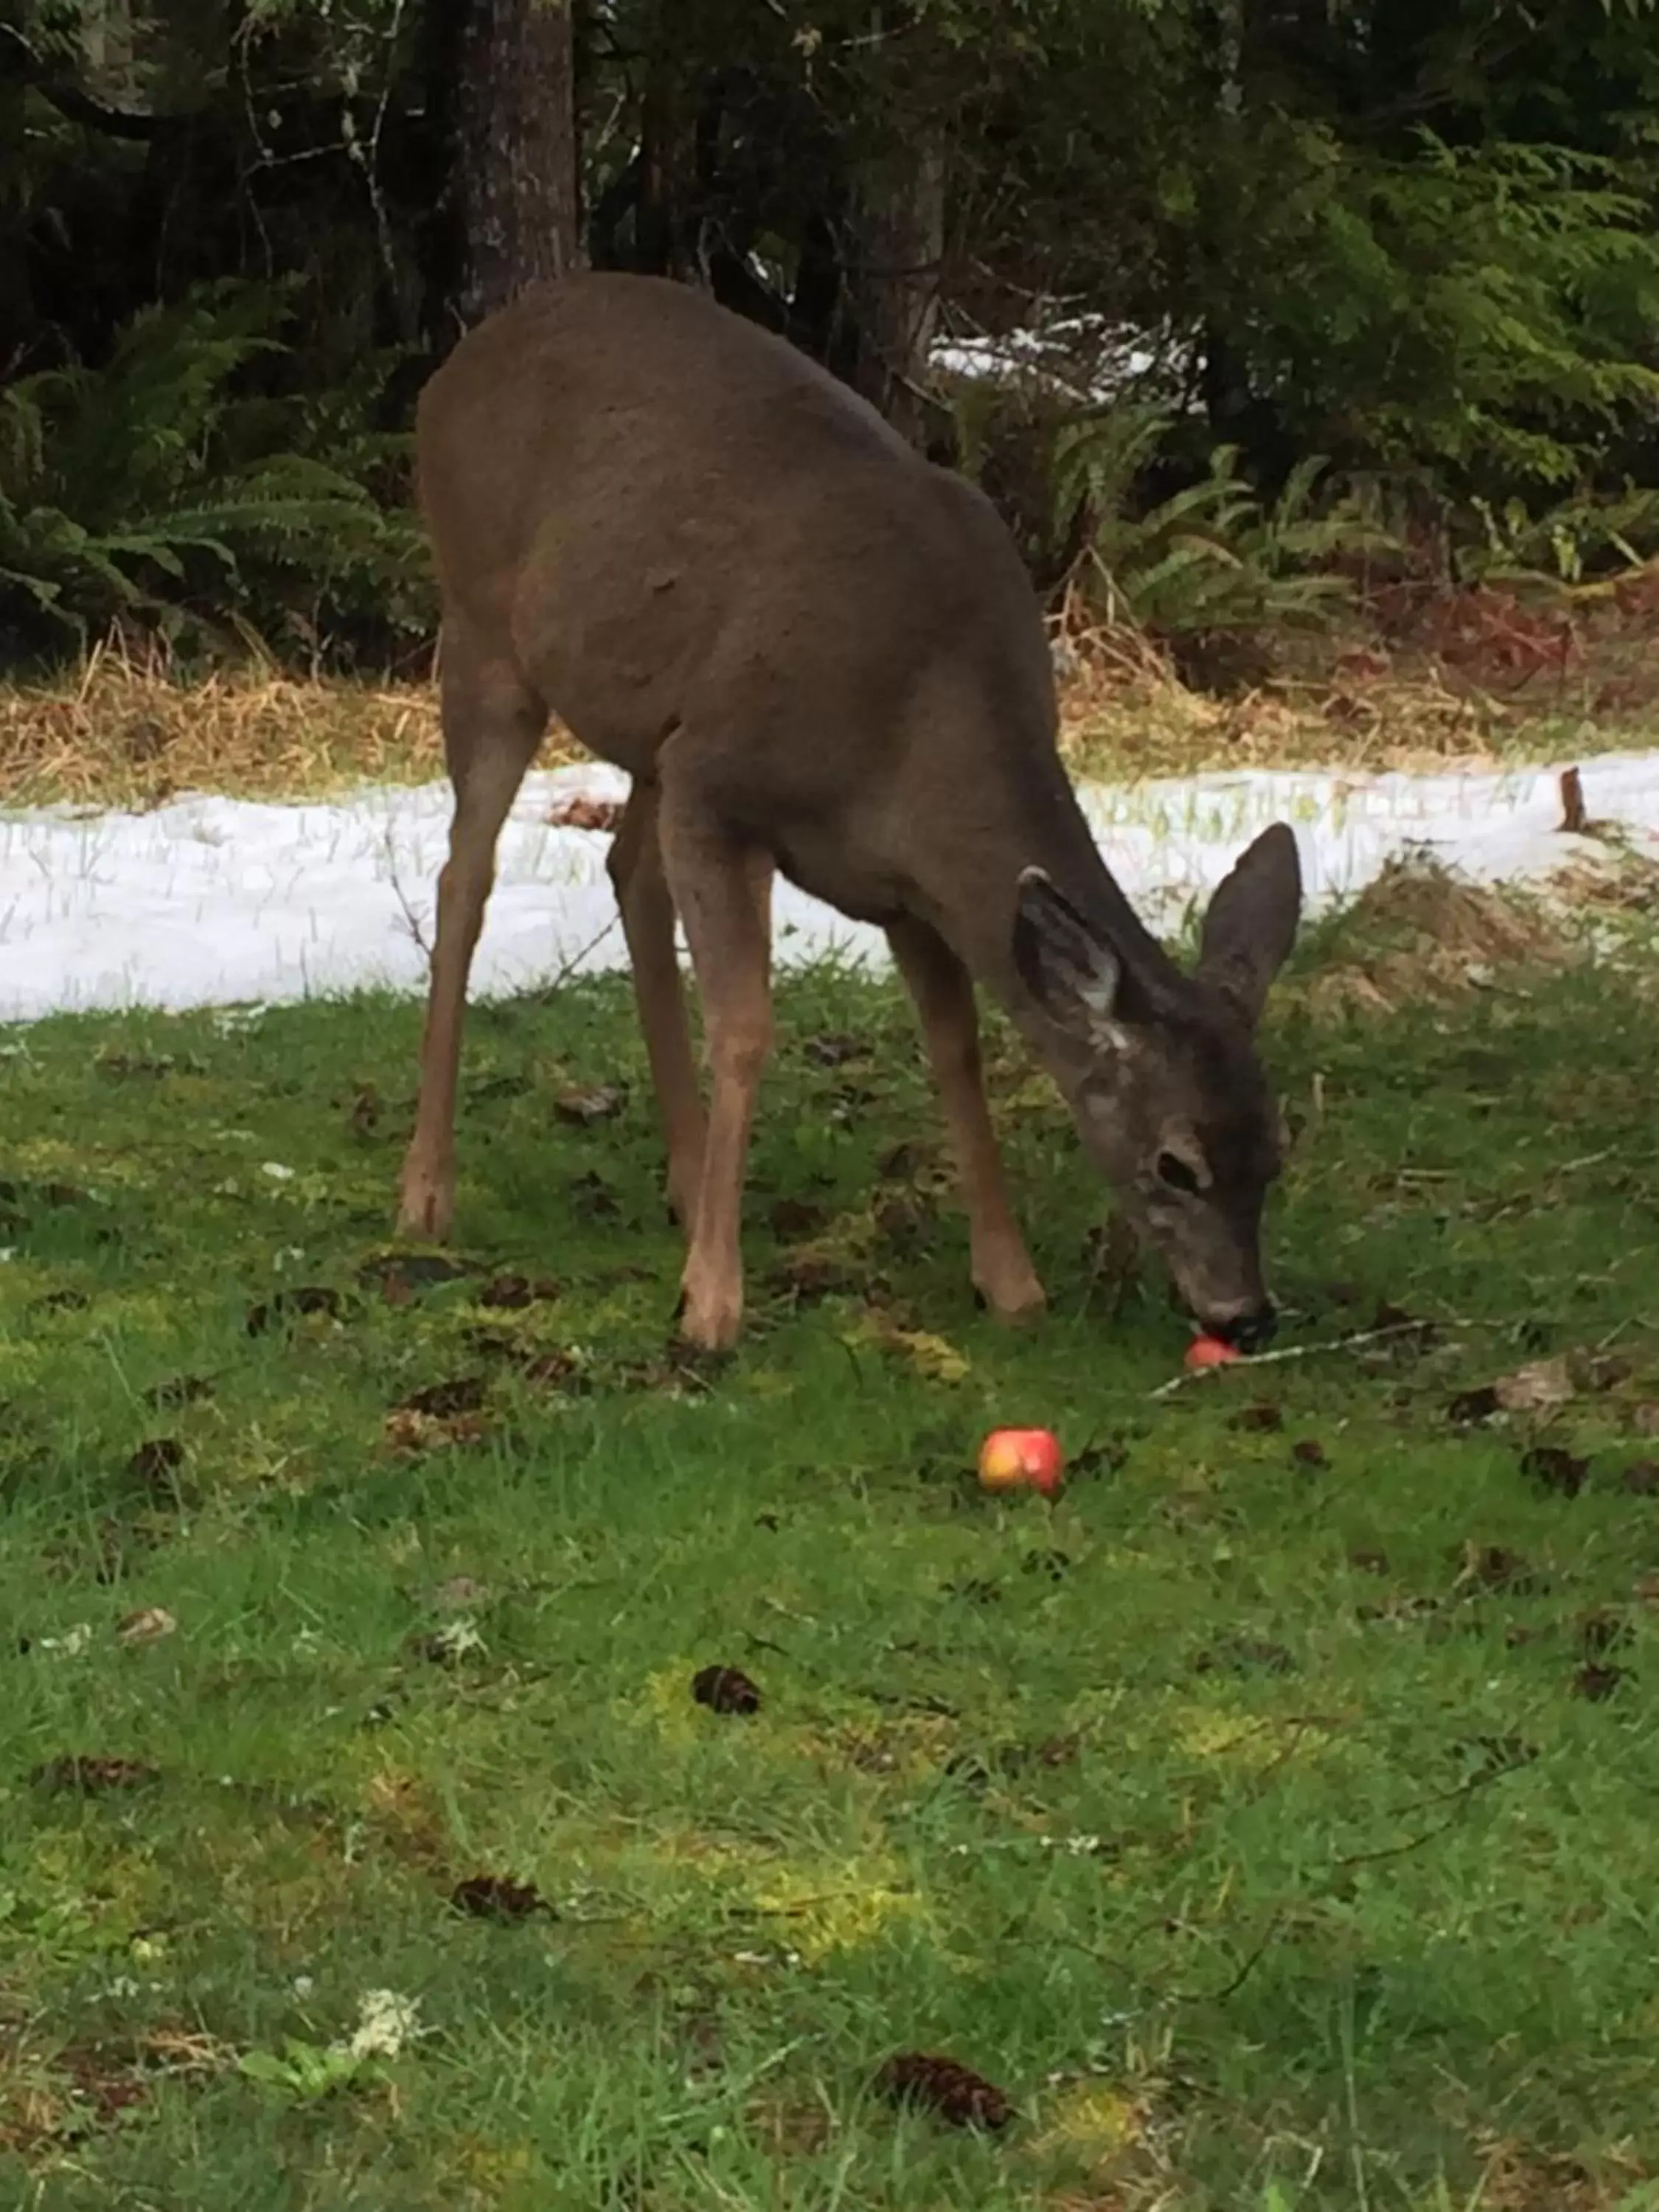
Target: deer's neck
x=1003, y=823
x=1035, y=820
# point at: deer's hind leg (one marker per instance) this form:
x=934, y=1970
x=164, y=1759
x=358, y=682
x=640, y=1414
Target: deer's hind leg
x=646, y=906
x=493, y=723
x=943, y=993
x=721, y=883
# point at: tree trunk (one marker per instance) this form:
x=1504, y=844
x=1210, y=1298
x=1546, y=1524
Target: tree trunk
x=1225, y=391
x=898, y=248
x=504, y=75
x=17, y=315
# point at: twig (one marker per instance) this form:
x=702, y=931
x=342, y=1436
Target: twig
x=412, y=921
x=1242, y=1974
x=367, y=159
x=562, y=975
x=1311, y=1351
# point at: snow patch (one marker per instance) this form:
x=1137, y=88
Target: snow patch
x=211, y=902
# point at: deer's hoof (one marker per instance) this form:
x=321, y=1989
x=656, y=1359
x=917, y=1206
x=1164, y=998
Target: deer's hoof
x=709, y=1323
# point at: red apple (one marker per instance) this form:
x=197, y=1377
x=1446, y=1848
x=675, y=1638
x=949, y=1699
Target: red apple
x=1209, y=1352
x=1014, y=1459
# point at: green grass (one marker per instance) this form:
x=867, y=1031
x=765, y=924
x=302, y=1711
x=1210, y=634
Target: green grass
x=1245, y=1819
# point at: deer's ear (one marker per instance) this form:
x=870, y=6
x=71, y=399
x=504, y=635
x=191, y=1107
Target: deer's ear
x=1252, y=921
x=1070, y=970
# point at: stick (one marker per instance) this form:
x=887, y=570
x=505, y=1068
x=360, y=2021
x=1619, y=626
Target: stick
x=1307, y=1351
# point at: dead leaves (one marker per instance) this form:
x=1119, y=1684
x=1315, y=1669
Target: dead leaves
x=1244, y=1654
x=1492, y=1567
x=514, y=1293
x=439, y=1415
x=934, y=1359
x=601, y=1102
x=1537, y=1394
x=793, y=1217
x=581, y=812
x=1541, y=1387
x=179, y=1390
x=54, y=2102
x=498, y=1898
x=1469, y=1408
x=809, y=1274
x=1556, y=1468
x=80, y=1775
x=303, y=1301
x=150, y=1624
x=443, y=1402
x=448, y=1645
x=398, y=1276
x=155, y=1463
x=363, y=1110
x=410, y=1434
x=1597, y=1681
x=1536, y=1388
x=836, y=1049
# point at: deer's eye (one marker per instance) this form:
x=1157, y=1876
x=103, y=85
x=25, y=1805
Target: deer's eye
x=1179, y=1174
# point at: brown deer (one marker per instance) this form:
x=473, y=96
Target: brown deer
x=811, y=650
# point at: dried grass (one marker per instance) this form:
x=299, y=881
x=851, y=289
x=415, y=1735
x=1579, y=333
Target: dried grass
x=1125, y=714
x=1618, y=882
x=1473, y=676
x=128, y=734
x=1520, y=2177
x=127, y=731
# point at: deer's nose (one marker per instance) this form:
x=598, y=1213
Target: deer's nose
x=1250, y=1332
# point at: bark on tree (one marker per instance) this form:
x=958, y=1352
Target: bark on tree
x=1225, y=391
x=505, y=72
x=16, y=316
x=899, y=232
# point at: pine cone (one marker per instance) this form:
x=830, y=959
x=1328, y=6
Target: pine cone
x=954, y=2093
x=726, y=1689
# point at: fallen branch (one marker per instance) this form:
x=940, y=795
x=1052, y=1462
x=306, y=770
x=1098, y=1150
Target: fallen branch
x=1249, y=1362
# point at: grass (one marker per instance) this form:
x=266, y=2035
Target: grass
x=124, y=731
x=1272, y=1818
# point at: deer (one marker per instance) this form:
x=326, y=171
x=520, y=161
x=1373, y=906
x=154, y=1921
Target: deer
x=813, y=650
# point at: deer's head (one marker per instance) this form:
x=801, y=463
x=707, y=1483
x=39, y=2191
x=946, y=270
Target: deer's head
x=1163, y=1076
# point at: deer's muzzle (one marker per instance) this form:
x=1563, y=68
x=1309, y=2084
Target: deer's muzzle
x=1252, y=1331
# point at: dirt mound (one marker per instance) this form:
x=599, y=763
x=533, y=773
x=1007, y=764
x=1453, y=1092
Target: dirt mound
x=1418, y=932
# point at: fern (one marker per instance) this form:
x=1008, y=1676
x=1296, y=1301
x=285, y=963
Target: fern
x=163, y=488
x=1483, y=311
x=1574, y=543
x=1211, y=558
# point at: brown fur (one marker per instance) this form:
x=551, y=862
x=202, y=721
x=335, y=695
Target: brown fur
x=813, y=651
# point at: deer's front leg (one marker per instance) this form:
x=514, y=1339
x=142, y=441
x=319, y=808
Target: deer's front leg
x=722, y=887
x=943, y=993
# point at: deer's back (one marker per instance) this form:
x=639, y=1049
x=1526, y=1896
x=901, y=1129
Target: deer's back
x=666, y=516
